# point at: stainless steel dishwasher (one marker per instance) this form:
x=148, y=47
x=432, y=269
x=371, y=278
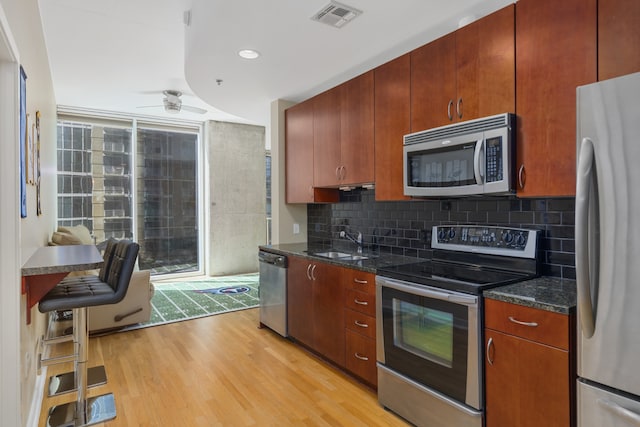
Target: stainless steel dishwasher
x=273, y=291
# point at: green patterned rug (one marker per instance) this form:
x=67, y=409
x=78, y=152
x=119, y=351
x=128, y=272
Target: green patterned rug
x=190, y=299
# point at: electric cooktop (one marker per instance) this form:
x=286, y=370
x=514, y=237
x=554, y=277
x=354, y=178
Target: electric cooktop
x=471, y=258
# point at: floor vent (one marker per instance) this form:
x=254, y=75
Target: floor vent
x=336, y=14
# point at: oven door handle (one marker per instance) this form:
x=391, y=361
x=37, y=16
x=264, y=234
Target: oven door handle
x=429, y=292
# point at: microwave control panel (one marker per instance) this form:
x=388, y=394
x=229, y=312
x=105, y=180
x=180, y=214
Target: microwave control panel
x=493, y=163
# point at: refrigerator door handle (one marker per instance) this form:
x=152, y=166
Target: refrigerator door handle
x=583, y=190
x=620, y=412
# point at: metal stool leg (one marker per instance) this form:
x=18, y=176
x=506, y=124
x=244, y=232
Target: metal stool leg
x=66, y=382
x=82, y=412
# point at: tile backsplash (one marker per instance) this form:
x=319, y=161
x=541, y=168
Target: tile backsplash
x=404, y=227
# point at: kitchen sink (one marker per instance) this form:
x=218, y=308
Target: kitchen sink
x=345, y=256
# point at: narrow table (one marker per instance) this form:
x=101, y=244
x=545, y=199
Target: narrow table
x=50, y=264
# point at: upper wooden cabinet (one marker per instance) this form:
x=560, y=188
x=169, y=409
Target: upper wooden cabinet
x=326, y=132
x=299, y=153
x=392, y=97
x=464, y=75
x=343, y=134
x=618, y=38
x=556, y=45
x=299, y=161
x=356, y=130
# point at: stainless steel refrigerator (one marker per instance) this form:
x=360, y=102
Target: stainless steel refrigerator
x=608, y=253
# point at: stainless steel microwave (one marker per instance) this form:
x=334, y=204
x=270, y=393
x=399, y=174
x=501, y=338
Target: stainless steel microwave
x=467, y=158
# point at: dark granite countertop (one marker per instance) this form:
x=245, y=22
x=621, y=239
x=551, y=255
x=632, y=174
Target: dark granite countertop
x=545, y=293
x=370, y=265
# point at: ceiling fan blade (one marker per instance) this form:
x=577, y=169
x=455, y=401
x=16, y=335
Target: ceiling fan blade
x=193, y=109
x=150, y=106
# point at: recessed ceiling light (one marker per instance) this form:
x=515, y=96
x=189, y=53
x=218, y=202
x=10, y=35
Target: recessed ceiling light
x=249, y=53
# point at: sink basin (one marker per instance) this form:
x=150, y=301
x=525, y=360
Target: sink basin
x=333, y=254
x=341, y=255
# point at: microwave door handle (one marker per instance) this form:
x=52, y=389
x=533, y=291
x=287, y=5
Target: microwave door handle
x=583, y=279
x=478, y=168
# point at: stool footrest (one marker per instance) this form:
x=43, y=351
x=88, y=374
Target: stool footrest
x=55, y=360
x=66, y=383
x=99, y=409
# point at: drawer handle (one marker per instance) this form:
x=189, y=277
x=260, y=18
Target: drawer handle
x=362, y=325
x=519, y=322
x=362, y=282
x=361, y=357
x=489, y=343
x=357, y=301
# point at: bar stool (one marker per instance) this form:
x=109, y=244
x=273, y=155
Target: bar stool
x=78, y=296
x=96, y=375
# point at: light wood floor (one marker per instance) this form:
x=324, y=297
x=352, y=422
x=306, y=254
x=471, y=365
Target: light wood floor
x=223, y=371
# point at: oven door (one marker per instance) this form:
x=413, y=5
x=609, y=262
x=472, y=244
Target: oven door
x=430, y=336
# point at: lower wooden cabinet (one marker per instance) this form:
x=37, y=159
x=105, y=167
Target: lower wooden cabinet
x=529, y=373
x=314, y=303
x=360, y=326
x=360, y=356
x=331, y=310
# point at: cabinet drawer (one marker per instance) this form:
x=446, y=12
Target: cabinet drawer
x=360, y=301
x=360, y=323
x=363, y=282
x=541, y=326
x=361, y=357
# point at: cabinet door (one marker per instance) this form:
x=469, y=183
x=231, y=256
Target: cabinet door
x=326, y=142
x=328, y=312
x=485, y=58
x=356, y=136
x=360, y=357
x=433, y=88
x=299, y=153
x=527, y=384
x=556, y=45
x=300, y=301
x=618, y=38
x=392, y=121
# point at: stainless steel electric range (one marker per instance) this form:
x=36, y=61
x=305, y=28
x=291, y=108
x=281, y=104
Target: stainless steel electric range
x=430, y=321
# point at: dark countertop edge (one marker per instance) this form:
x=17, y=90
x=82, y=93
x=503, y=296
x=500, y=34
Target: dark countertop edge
x=544, y=293
x=371, y=265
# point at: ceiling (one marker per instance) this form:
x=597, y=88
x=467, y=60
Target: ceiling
x=119, y=55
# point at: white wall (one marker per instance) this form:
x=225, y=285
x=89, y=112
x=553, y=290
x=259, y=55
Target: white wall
x=284, y=216
x=22, y=21
x=237, y=193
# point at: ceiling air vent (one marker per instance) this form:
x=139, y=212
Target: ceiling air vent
x=336, y=14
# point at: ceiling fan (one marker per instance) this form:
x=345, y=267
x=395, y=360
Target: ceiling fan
x=173, y=104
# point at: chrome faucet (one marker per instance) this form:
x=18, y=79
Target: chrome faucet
x=356, y=240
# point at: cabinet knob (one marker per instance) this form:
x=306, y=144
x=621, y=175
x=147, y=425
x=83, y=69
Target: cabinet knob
x=360, y=281
x=358, y=356
x=459, y=107
x=449, y=105
x=357, y=301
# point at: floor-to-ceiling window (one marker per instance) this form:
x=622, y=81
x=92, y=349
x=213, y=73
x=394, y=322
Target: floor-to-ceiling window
x=167, y=189
x=127, y=179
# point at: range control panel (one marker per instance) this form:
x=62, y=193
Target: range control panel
x=486, y=239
